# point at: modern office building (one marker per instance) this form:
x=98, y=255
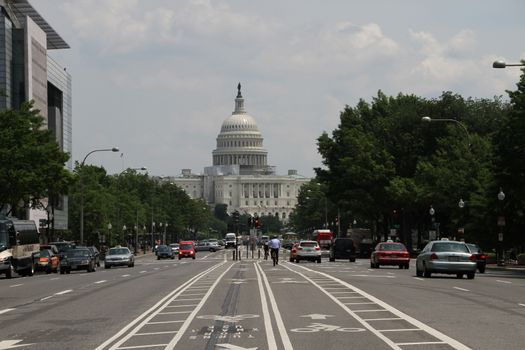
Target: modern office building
x=240, y=176
x=27, y=73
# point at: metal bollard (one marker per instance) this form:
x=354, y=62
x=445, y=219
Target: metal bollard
x=259, y=254
x=234, y=258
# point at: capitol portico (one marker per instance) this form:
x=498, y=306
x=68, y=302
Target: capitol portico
x=240, y=176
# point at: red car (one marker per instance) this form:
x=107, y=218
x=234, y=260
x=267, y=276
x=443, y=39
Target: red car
x=293, y=252
x=390, y=253
x=186, y=249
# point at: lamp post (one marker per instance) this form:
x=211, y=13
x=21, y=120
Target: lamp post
x=427, y=119
x=432, y=211
x=501, y=224
x=503, y=64
x=114, y=149
x=461, y=230
x=118, y=190
x=109, y=234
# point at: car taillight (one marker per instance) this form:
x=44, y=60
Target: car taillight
x=472, y=257
x=44, y=259
x=433, y=256
x=317, y=248
x=406, y=255
x=482, y=257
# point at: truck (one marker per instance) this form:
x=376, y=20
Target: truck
x=324, y=237
x=230, y=240
x=19, y=242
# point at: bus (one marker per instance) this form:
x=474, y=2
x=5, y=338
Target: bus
x=19, y=241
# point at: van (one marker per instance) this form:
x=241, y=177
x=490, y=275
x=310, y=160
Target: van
x=230, y=240
x=342, y=248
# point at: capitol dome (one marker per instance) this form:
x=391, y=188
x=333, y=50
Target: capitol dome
x=239, y=141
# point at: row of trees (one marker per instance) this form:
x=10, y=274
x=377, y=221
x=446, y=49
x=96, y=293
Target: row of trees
x=385, y=168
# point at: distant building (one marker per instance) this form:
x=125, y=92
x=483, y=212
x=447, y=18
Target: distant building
x=240, y=176
x=28, y=73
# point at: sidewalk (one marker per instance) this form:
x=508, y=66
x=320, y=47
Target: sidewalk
x=506, y=267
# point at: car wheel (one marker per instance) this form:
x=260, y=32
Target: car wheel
x=459, y=275
x=331, y=259
x=426, y=273
x=179, y=257
x=481, y=269
x=372, y=266
x=352, y=259
x=172, y=257
x=68, y=271
x=193, y=257
x=419, y=273
x=471, y=275
x=158, y=257
x=48, y=270
x=319, y=260
x=297, y=260
x=62, y=272
x=401, y=266
x=10, y=271
x=407, y=266
x=94, y=269
x=106, y=266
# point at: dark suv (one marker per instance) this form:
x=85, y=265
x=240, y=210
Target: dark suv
x=342, y=248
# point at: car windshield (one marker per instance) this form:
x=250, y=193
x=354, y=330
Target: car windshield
x=309, y=244
x=163, y=248
x=186, y=246
x=392, y=246
x=174, y=245
x=78, y=253
x=118, y=251
x=449, y=247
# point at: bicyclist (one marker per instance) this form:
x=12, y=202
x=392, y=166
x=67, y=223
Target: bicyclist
x=266, y=248
x=275, y=245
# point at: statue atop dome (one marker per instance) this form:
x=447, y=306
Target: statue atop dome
x=239, y=91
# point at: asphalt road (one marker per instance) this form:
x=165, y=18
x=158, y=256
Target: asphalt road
x=213, y=302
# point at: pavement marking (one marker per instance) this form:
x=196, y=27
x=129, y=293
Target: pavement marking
x=382, y=319
x=270, y=337
x=16, y=285
x=521, y=304
x=147, y=315
x=192, y=305
x=143, y=346
x=502, y=281
x=49, y=297
x=143, y=271
x=10, y=344
x=400, y=330
x=276, y=313
x=462, y=289
x=101, y=281
x=164, y=322
x=419, y=279
x=5, y=310
x=64, y=292
x=126, y=275
x=54, y=279
x=156, y=333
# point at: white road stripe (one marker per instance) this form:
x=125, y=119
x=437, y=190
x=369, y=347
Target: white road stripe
x=98, y=282
x=49, y=297
x=15, y=285
x=278, y=319
x=502, y=281
x=462, y=289
x=156, y=333
x=521, y=304
x=126, y=275
x=419, y=279
x=270, y=337
x=163, y=322
x=5, y=310
x=64, y=292
x=143, y=271
x=143, y=346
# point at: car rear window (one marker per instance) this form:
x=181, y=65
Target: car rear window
x=449, y=247
x=392, y=246
x=309, y=244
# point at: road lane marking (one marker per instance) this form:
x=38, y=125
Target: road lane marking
x=270, y=337
x=521, y=304
x=462, y=289
x=143, y=271
x=126, y=275
x=502, y=281
x=164, y=322
x=386, y=308
x=156, y=333
x=98, y=282
x=54, y=279
x=276, y=313
x=5, y=310
x=143, y=346
x=16, y=285
x=401, y=330
x=10, y=344
x=64, y=292
x=147, y=315
x=419, y=279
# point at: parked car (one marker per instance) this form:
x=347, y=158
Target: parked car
x=293, y=252
x=77, y=259
x=342, y=248
x=308, y=250
x=448, y=257
x=164, y=252
x=119, y=256
x=51, y=247
x=175, y=248
x=47, y=261
x=62, y=247
x=481, y=258
x=96, y=254
x=186, y=250
x=390, y=253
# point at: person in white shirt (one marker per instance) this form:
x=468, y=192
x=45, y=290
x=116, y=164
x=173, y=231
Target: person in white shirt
x=274, y=244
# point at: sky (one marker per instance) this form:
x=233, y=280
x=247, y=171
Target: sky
x=157, y=78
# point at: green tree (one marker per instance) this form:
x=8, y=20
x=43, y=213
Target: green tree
x=31, y=162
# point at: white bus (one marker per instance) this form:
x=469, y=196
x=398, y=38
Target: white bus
x=19, y=242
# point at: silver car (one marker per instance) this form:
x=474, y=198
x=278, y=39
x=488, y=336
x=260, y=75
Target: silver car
x=119, y=256
x=449, y=257
x=308, y=250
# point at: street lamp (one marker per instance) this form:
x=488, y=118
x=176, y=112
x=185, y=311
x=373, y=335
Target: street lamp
x=503, y=64
x=114, y=149
x=501, y=223
x=109, y=233
x=427, y=119
x=461, y=205
x=431, y=211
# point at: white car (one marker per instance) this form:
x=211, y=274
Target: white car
x=308, y=250
x=174, y=248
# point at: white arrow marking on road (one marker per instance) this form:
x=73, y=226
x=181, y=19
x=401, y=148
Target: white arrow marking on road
x=317, y=316
x=233, y=347
x=10, y=344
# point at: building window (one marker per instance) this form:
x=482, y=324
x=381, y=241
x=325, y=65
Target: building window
x=288, y=203
x=246, y=203
x=284, y=215
x=230, y=202
x=275, y=203
x=230, y=193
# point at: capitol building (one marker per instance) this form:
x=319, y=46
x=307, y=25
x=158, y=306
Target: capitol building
x=240, y=176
